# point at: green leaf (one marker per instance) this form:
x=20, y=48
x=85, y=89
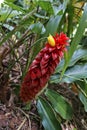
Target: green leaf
x=15, y=7
x=74, y=129
x=60, y=66
x=58, y=9
x=83, y=85
x=83, y=100
x=9, y=27
x=72, y=74
x=5, y=14
x=10, y=0
x=53, y=24
x=10, y=34
x=48, y=117
x=59, y=104
x=77, y=38
x=41, y=16
x=46, y=5
x=38, y=28
x=54, y=21
x=70, y=10
x=18, y=27
x=79, y=54
x=79, y=33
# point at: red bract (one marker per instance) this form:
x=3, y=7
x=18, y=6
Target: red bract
x=43, y=66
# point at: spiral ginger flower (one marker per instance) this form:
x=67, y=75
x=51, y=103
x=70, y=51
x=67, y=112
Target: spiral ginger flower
x=43, y=66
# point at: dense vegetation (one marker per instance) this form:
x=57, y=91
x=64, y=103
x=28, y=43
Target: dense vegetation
x=24, y=28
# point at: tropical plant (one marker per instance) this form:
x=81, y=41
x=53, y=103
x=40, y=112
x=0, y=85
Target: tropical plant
x=25, y=26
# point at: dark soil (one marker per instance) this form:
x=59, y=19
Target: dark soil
x=18, y=117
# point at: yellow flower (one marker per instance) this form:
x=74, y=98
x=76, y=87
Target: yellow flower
x=51, y=40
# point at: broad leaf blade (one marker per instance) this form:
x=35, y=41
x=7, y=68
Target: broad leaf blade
x=79, y=54
x=53, y=24
x=77, y=38
x=46, y=5
x=79, y=32
x=59, y=104
x=72, y=74
x=15, y=7
x=37, y=28
x=83, y=100
x=49, y=120
x=54, y=21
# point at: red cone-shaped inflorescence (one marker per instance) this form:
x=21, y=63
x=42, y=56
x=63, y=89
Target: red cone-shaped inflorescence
x=43, y=66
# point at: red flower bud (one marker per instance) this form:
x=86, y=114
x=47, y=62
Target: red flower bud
x=43, y=66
